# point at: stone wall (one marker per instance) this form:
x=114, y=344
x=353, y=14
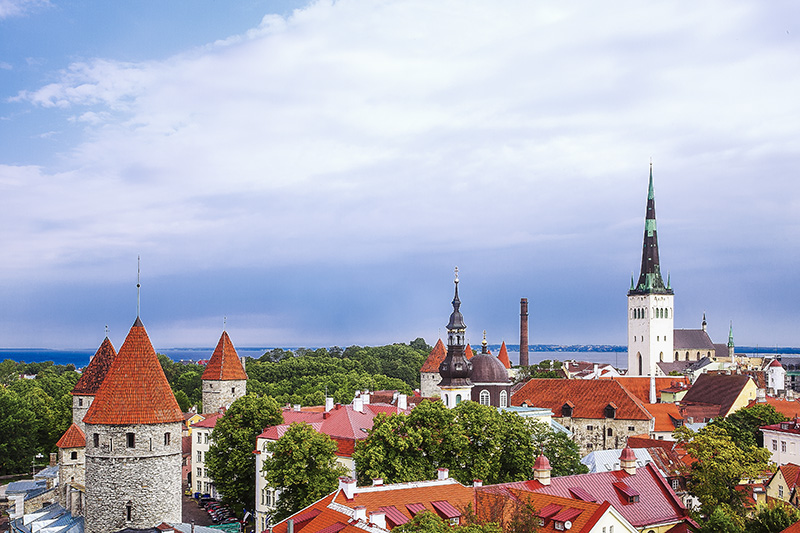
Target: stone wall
x=80, y=406
x=145, y=478
x=218, y=394
x=429, y=384
x=70, y=471
x=592, y=434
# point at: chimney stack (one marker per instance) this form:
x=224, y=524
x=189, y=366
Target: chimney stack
x=378, y=519
x=328, y=404
x=402, y=402
x=348, y=487
x=377, y=482
x=477, y=483
x=358, y=404
x=360, y=512
x=443, y=474
x=523, y=332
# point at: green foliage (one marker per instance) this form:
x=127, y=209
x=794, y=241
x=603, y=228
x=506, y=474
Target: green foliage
x=183, y=401
x=186, y=377
x=304, y=377
x=562, y=452
x=721, y=465
x=230, y=459
x=303, y=464
x=723, y=520
x=742, y=426
x=773, y=518
x=427, y=522
x=34, y=413
x=542, y=370
x=473, y=441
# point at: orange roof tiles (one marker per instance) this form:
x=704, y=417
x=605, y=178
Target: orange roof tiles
x=435, y=358
x=95, y=372
x=788, y=408
x=135, y=390
x=583, y=515
x=468, y=352
x=665, y=414
x=588, y=396
x=503, y=356
x=640, y=386
x=73, y=437
x=224, y=364
x=399, y=495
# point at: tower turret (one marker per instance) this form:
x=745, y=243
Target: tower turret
x=650, y=304
x=224, y=379
x=456, y=368
x=92, y=377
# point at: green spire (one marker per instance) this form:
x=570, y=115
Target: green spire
x=651, y=195
x=730, y=336
x=632, y=282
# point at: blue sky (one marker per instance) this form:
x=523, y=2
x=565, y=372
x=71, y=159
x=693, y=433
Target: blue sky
x=313, y=171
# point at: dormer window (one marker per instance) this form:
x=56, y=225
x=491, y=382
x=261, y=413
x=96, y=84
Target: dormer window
x=610, y=411
x=566, y=410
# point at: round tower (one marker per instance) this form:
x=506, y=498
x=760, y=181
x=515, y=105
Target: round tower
x=456, y=368
x=224, y=379
x=71, y=469
x=133, y=443
x=92, y=377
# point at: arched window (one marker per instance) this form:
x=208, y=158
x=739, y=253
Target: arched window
x=446, y=401
x=484, y=397
x=503, y=399
x=661, y=357
x=458, y=399
x=677, y=356
x=640, y=365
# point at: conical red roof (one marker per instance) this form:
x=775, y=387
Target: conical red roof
x=73, y=437
x=468, y=351
x=542, y=463
x=503, y=356
x=436, y=357
x=135, y=390
x=95, y=372
x=224, y=365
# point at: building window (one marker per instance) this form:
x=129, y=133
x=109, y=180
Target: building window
x=774, y=446
x=199, y=457
x=73, y=455
x=199, y=486
x=130, y=440
x=454, y=521
x=166, y=439
x=458, y=399
x=566, y=410
x=783, y=446
x=199, y=438
x=80, y=402
x=589, y=446
x=610, y=411
x=233, y=390
x=589, y=427
x=631, y=428
x=780, y=491
x=559, y=526
x=205, y=438
x=676, y=484
x=129, y=511
x=484, y=397
x=199, y=473
x=96, y=438
x=503, y=399
x=610, y=432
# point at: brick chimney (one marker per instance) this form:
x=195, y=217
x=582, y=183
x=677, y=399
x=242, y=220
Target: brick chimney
x=523, y=332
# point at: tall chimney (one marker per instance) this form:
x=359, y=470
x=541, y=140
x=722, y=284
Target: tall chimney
x=523, y=332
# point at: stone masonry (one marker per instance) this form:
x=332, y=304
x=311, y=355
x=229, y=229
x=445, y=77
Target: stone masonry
x=592, y=434
x=217, y=393
x=132, y=487
x=71, y=470
x=80, y=406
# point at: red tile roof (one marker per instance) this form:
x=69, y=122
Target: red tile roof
x=135, y=390
x=640, y=386
x=468, y=352
x=224, y=364
x=589, y=397
x=209, y=421
x=657, y=503
x=503, y=355
x=666, y=415
x=435, y=358
x=73, y=437
x=794, y=528
x=788, y=408
x=95, y=372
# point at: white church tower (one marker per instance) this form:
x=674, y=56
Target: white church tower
x=650, y=304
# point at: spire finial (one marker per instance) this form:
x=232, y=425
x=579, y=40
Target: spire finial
x=456, y=274
x=106, y=330
x=224, y=322
x=138, y=283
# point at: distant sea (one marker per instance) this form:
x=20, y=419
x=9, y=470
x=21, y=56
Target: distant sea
x=604, y=354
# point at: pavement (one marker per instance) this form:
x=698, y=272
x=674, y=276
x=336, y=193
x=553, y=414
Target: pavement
x=194, y=513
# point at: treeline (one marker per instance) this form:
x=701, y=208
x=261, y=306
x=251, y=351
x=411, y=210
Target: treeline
x=304, y=376
x=34, y=413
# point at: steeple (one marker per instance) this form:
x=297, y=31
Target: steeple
x=455, y=369
x=704, y=325
x=650, y=280
x=730, y=336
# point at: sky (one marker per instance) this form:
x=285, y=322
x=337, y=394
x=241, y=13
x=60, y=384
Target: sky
x=310, y=173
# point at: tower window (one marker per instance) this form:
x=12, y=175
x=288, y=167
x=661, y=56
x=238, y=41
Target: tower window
x=503, y=399
x=96, y=439
x=80, y=402
x=166, y=439
x=73, y=455
x=458, y=399
x=129, y=511
x=130, y=440
x=233, y=390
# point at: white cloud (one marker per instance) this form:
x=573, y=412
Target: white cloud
x=355, y=130
x=18, y=8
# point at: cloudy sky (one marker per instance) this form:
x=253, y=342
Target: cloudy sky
x=313, y=171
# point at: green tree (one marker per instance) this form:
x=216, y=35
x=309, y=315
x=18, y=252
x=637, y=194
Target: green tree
x=721, y=465
x=183, y=401
x=230, y=459
x=742, y=426
x=772, y=518
x=723, y=520
x=303, y=465
x=562, y=452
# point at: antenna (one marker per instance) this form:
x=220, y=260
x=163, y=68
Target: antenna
x=138, y=282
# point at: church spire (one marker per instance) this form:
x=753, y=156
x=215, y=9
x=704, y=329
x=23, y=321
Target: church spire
x=650, y=280
x=455, y=369
x=456, y=326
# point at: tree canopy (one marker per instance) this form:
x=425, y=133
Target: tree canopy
x=303, y=465
x=742, y=425
x=473, y=441
x=230, y=459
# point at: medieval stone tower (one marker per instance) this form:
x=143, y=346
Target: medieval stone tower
x=72, y=470
x=650, y=304
x=456, y=368
x=133, y=443
x=224, y=380
x=93, y=375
